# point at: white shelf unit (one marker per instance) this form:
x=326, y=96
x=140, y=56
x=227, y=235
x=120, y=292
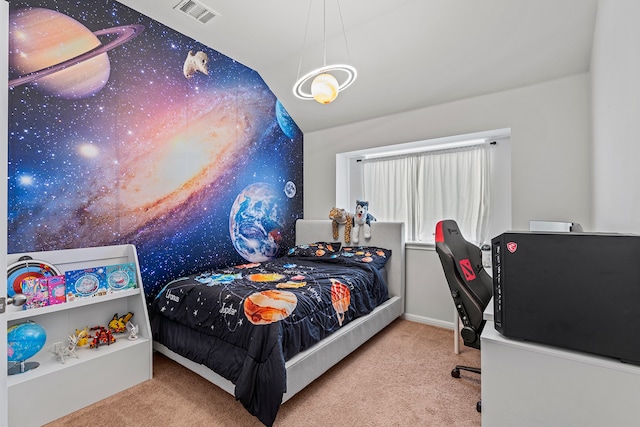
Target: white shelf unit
x=55, y=389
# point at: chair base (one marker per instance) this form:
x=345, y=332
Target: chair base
x=455, y=373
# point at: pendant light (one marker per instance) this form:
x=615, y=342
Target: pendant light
x=323, y=84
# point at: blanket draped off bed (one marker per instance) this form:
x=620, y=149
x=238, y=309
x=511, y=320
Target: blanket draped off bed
x=244, y=322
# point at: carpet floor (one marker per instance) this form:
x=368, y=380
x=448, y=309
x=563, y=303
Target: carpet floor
x=401, y=377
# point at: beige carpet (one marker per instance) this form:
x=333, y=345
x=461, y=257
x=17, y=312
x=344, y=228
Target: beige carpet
x=401, y=377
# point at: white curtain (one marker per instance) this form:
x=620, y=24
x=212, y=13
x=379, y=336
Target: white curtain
x=423, y=188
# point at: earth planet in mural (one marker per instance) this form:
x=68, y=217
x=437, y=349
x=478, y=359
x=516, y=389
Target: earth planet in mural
x=285, y=121
x=256, y=222
x=64, y=56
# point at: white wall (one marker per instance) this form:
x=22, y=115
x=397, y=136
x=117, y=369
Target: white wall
x=551, y=164
x=615, y=68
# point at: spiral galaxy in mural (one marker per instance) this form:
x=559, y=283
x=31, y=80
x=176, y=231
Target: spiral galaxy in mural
x=134, y=152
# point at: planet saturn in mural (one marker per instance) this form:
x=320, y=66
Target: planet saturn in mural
x=59, y=54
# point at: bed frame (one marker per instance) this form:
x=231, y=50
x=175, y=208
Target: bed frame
x=308, y=365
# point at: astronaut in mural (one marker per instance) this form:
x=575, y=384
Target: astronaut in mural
x=195, y=62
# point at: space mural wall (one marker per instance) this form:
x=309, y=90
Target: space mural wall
x=122, y=130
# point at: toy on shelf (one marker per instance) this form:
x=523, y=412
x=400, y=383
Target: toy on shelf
x=37, y=293
x=62, y=350
x=82, y=336
x=85, y=283
x=133, y=331
x=24, y=340
x=27, y=268
x=102, y=336
x=119, y=324
x=121, y=277
x=57, y=288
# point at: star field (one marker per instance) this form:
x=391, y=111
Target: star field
x=153, y=158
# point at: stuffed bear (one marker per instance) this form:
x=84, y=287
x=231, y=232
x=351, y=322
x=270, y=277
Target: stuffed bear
x=362, y=218
x=195, y=62
x=340, y=216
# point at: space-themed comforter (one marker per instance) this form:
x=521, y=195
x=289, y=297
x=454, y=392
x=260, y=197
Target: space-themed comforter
x=244, y=322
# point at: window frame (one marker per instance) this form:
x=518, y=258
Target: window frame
x=349, y=174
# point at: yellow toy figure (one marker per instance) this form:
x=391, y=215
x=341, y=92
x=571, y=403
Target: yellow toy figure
x=119, y=324
x=82, y=336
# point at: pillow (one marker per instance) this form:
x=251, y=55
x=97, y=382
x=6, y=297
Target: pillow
x=314, y=250
x=375, y=256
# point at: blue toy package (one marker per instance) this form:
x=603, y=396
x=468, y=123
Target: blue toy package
x=121, y=277
x=86, y=283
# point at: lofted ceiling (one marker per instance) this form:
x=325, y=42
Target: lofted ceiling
x=409, y=53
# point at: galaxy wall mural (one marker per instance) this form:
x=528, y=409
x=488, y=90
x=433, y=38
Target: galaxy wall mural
x=122, y=130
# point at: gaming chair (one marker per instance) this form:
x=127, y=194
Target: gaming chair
x=471, y=286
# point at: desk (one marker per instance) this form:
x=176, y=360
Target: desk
x=527, y=384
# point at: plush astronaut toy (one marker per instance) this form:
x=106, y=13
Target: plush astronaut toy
x=363, y=218
x=195, y=62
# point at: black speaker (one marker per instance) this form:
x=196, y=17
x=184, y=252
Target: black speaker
x=579, y=291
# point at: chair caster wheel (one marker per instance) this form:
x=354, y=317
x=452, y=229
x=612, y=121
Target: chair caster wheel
x=479, y=406
x=455, y=373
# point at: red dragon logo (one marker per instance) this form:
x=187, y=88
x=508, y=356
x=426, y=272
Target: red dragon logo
x=467, y=270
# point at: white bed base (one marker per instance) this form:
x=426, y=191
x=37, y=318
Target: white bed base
x=308, y=365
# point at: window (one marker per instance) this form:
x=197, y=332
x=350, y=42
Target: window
x=466, y=178
x=422, y=188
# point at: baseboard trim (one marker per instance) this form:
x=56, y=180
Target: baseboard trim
x=428, y=321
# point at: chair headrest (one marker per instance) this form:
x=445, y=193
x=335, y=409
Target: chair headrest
x=450, y=240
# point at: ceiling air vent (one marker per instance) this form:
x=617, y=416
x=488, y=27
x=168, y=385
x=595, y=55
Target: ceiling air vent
x=196, y=10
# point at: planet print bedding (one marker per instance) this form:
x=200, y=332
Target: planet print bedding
x=244, y=322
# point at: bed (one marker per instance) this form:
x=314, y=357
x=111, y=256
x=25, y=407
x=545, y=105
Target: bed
x=261, y=396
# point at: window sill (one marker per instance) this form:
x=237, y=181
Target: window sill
x=420, y=246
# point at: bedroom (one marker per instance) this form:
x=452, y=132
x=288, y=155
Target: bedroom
x=575, y=109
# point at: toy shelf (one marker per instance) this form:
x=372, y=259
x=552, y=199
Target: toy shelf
x=50, y=364
x=13, y=314
x=62, y=388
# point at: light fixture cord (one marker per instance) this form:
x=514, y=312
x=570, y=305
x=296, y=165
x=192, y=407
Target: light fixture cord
x=344, y=33
x=324, y=31
x=304, y=43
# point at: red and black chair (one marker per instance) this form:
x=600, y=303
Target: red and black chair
x=470, y=285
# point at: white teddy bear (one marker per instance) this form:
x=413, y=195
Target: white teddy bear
x=195, y=62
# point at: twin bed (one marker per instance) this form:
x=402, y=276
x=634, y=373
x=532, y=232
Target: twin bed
x=264, y=331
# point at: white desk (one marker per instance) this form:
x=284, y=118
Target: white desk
x=526, y=384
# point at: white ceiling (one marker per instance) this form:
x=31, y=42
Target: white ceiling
x=409, y=53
